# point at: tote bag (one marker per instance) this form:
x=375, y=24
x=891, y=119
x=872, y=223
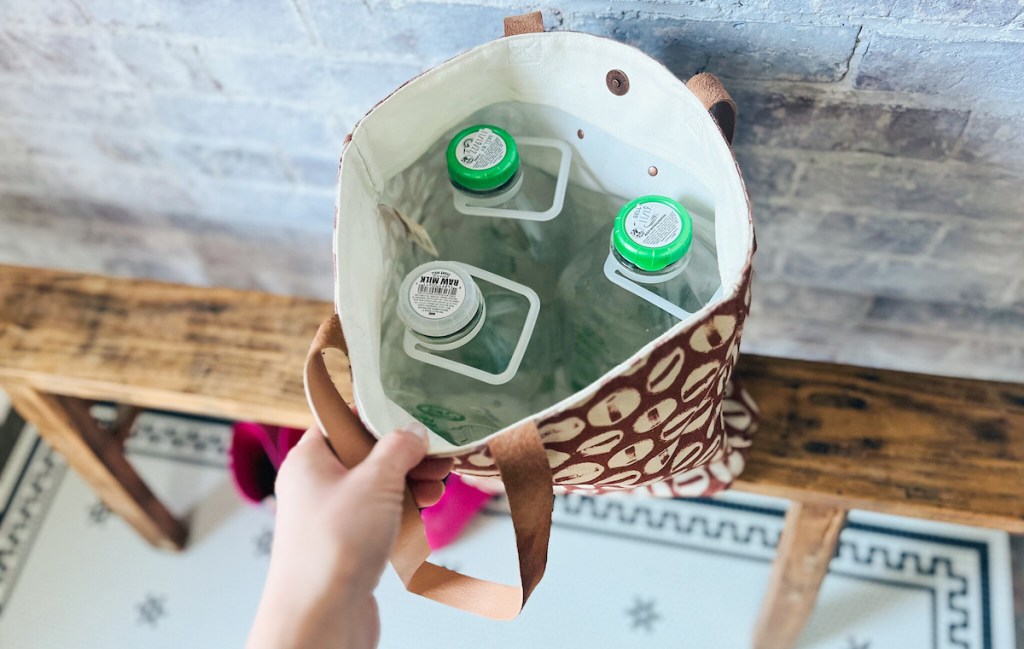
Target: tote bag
x=668, y=420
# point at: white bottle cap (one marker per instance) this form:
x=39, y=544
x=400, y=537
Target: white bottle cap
x=439, y=299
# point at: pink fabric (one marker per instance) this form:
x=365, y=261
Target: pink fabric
x=445, y=521
x=256, y=454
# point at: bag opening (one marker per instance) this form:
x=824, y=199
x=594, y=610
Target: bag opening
x=657, y=136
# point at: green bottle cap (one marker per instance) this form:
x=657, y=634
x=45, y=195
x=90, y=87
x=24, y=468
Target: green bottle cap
x=482, y=158
x=652, y=232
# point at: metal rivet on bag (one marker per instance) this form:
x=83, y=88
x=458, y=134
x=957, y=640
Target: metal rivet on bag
x=652, y=170
x=617, y=82
x=579, y=134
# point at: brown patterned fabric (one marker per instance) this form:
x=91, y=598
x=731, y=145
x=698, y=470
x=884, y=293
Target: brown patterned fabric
x=673, y=423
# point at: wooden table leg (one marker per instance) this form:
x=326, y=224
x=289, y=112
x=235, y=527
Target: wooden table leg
x=121, y=426
x=98, y=457
x=806, y=547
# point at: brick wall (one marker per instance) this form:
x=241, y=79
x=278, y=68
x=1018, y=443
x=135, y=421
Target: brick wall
x=883, y=142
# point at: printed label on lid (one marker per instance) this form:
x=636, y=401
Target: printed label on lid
x=481, y=150
x=653, y=225
x=437, y=294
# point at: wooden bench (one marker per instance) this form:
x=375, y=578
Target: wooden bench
x=833, y=437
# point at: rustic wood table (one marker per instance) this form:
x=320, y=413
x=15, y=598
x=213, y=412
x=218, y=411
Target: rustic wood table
x=833, y=437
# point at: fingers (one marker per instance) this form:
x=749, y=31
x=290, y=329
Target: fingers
x=432, y=468
x=313, y=433
x=311, y=447
x=310, y=458
x=396, y=454
x=314, y=448
x=427, y=493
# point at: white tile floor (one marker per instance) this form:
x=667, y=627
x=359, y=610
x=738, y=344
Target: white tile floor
x=627, y=571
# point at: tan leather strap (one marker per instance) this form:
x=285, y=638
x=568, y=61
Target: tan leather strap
x=716, y=99
x=524, y=24
x=519, y=456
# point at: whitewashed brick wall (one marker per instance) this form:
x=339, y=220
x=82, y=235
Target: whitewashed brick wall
x=883, y=142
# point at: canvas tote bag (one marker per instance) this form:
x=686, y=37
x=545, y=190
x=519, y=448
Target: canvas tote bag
x=667, y=420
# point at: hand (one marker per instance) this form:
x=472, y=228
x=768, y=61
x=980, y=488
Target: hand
x=335, y=529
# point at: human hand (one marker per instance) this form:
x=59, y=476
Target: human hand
x=335, y=529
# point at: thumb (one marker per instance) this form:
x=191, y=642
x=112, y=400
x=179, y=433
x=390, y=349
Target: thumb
x=397, y=453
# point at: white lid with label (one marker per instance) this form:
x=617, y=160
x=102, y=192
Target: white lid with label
x=438, y=299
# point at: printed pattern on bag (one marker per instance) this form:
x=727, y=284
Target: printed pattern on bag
x=672, y=423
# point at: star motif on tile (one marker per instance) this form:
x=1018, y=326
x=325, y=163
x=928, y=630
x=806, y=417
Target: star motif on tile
x=98, y=513
x=264, y=541
x=642, y=615
x=151, y=609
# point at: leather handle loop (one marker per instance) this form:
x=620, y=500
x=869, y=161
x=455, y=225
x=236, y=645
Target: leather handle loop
x=524, y=24
x=521, y=460
x=716, y=99
x=349, y=439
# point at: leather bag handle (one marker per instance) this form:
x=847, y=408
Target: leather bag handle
x=521, y=460
x=524, y=24
x=716, y=99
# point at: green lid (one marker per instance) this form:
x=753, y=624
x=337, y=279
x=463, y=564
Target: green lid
x=482, y=158
x=652, y=232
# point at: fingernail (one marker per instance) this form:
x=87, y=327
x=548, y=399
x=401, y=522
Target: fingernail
x=419, y=430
